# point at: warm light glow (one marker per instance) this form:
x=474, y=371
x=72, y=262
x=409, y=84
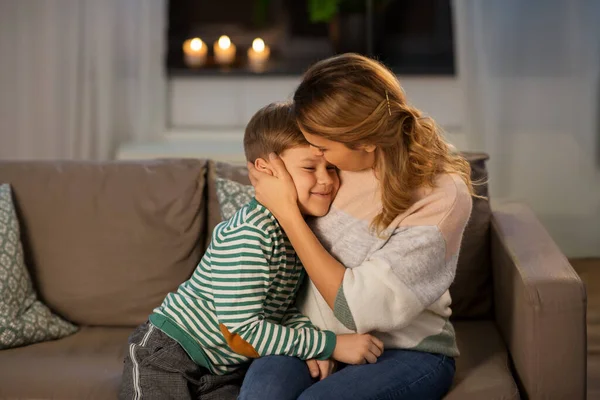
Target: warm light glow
x=224, y=42
x=258, y=45
x=196, y=44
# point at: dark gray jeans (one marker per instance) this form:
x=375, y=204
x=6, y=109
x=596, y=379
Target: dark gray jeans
x=157, y=367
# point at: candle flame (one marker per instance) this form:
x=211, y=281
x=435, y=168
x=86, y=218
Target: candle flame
x=258, y=45
x=224, y=42
x=196, y=44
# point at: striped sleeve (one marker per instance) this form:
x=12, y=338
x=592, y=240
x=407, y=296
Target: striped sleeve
x=240, y=273
x=293, y=318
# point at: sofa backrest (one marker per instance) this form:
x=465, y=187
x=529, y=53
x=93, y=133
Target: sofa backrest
x=472, y=288
x=105, y=242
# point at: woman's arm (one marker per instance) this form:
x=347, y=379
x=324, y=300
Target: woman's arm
x=413, y=270
x=278, y=194
x=324, y=270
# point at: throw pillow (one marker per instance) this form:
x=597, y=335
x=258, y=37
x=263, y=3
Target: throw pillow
x=232, y=196
x=23, y=318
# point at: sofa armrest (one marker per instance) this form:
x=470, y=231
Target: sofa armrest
x=540, y=306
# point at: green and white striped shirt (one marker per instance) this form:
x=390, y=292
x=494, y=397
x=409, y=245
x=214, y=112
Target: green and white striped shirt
x=239, y=303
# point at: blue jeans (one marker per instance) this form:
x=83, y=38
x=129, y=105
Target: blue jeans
x=398, y=374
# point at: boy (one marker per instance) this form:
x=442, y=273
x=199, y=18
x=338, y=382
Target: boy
x=239, y=303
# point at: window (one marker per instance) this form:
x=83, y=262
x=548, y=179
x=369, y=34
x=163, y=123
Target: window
x=411, y=36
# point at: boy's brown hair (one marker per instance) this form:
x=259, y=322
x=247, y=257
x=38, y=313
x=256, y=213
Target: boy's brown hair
x=272, y=129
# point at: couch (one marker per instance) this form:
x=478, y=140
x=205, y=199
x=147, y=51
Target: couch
x=104, y=242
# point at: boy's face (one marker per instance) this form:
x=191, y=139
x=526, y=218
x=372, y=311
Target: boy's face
x=316, y=180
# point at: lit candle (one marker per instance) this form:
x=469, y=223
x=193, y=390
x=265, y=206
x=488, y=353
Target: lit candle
x=194, y=52
x=224, y=51
x=258, y=54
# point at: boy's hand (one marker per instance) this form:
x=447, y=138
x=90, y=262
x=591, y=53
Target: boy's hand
x=357, y=349
x=320, y=368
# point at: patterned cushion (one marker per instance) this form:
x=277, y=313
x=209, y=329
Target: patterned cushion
x=232, y=196
x=23, y=318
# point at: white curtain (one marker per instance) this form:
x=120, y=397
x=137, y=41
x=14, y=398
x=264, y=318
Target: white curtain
x=79, y=77
x=530, y=72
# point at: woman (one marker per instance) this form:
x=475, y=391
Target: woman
x=384, y=257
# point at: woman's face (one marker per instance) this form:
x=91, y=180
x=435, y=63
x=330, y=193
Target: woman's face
x=340, y=155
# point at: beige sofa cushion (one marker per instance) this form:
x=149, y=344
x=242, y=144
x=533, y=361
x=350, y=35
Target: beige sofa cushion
x=107, y=241
x=483, y=369
x=87, y=365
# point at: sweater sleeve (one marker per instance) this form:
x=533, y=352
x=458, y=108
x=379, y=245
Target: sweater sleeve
x=239, y=298
x=411, y=271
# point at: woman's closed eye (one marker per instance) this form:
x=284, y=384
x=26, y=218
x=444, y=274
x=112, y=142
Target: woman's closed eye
x=308, y=168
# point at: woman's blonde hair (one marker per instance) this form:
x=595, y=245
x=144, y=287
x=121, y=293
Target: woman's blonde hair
x=357, y=101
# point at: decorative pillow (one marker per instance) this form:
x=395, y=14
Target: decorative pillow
x=23, y=318
x=232, y=196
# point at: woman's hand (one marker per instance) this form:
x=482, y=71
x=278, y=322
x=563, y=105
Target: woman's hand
x=277, y=192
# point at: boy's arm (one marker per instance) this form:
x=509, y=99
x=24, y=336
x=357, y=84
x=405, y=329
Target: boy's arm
x=293, y=318
x=240, y=281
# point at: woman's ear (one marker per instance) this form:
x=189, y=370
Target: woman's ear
x=263, y=166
